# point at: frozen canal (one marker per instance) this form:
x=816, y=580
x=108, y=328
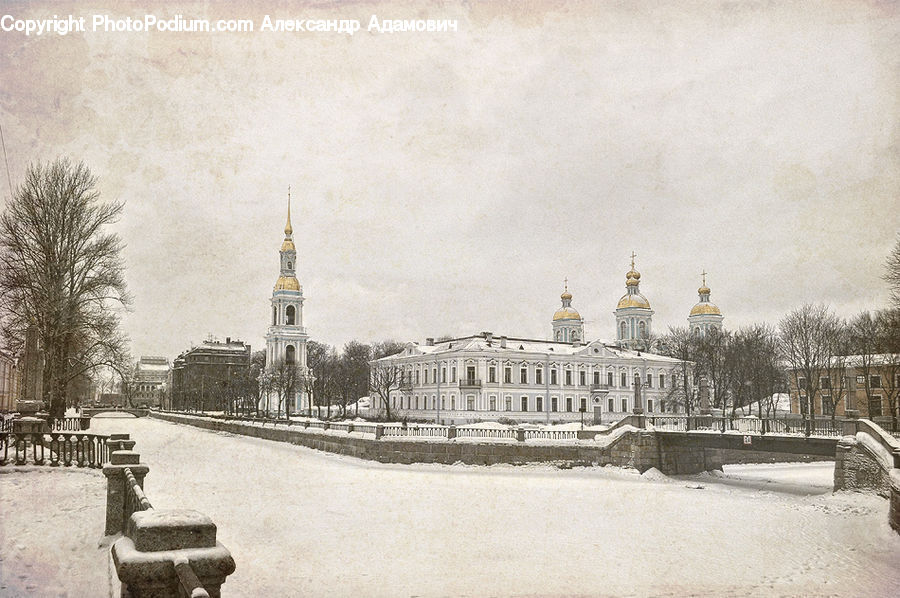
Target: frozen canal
x=305, y=523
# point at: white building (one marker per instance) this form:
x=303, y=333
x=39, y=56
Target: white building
x=285, y=378
x=151, y=374
x=486, y=377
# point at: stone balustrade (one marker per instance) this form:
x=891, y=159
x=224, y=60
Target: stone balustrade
x=163, y=553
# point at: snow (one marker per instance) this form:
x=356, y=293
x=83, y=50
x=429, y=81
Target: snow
x=307, y=523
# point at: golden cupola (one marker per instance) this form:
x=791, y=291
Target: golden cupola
x=705, y=306
x=566, y=312
x=633, y=296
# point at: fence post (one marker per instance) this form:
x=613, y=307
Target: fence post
x=171, y=553
x=520, y=434
x=116, y=487
x=349, y=427
x=379, y=431
x=451, y=432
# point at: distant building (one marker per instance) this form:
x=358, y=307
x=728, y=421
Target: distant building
x=9, y=382
x=485, y=376
x=150, y=376
x=203, y=377
x=873, y=400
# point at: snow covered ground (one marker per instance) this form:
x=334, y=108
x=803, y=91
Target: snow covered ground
x=305, y=523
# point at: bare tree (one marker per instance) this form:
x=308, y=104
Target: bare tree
x=284, y=382
x=888, y=347
x=864, y=339
x=806, y=344
x=892, y=274
x=385, y=376
x=682, y=345
x=62, y=272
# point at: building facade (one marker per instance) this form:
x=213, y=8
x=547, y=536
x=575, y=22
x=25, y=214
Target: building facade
x=209, y=377
x=150, y=377
x=870, y=383
x=284, y=384
x=485, y=376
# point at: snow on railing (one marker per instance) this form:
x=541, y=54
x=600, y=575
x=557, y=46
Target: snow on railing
x=551, y=435
x=507, y=433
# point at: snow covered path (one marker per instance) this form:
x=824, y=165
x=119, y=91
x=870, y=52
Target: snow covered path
x=305, y=523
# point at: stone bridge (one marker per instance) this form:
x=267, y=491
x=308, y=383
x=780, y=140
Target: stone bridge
x=135, y=411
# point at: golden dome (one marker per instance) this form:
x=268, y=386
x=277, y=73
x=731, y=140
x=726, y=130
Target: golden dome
x=633, y=300
x=632, y=282
x=705, y=308
x=288, y=245
x=287, y=283
x=633, y=274
x=704, y=290
x=566, y=296
x=566, y=313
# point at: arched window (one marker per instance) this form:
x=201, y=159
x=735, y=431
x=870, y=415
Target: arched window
x=623, y=329
x=558, y=335
x=274, y=315
x=290, y=265
x=642, y=327
x=290, y=354
x=290, y=315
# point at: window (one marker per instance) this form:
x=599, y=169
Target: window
x=425, y=373
x=875, y=406
x=583, y=404
x=443, y=374
x=568, y=403
x=568, y=377
x=649, y=405
x=453, y=374
x=861, y=380
x=417, y=377
x=417, y=401
x=649, y=381
x=507, y=375
x=290, y=312
x=274, y=315
x=492, y=374
x=470, y=403
x=609, y=378
x=554, y=404
x=825, y=382
x=434, y=375
x=539, y=404
x=827, y=407
x=610, y=406
x=443, y=402
x=538, y=376
x=493, y=403
x=453, y=403
x=553, y=379
x=523, y=377
x=624, y=380
x=290, y=265
x=876, y=382
x=624, y=404
x=470, y=374
x=581, y=377
x=801, y=382
x=597, y=378
x=290, y=354
x=524, y=403
x=509, y=403
x=643, y=329
x=662, y=380
x=622, y=330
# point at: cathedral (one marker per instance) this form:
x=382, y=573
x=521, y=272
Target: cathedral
x=489, y=376
x=284, y=385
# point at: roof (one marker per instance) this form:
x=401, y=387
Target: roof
x=482, y=343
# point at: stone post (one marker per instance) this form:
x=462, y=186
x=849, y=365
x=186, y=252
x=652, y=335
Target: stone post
x=349, y=427
x=520, y=434
x=326, y=425
x=704, y=396
x=119, y=442
x=451, y=432
x=84, y=423
x=638, y=401
x=116, y=487
x=379, y=431
x=171, y=553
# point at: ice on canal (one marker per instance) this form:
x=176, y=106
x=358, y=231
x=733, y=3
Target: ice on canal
x=306, y=523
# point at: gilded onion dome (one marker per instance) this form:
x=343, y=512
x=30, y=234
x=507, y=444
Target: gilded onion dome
x=705, y=306
x=633, y=298
x=566, y=312
x=287, y=283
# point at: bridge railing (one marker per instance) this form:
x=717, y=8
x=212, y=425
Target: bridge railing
x=79, y=449
x=818, y=426
x=162, y=552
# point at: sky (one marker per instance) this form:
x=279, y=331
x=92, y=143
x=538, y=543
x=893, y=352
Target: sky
x=448, y=182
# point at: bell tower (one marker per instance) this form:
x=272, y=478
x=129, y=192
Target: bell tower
x=286, y=374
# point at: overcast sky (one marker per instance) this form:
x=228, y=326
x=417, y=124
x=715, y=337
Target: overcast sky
x=447, y=183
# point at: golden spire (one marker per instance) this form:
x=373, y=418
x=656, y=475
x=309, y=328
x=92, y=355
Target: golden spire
x=288, y=230
x=703, y=290
x=566, y=296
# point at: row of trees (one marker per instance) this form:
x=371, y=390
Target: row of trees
x=812, y=350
